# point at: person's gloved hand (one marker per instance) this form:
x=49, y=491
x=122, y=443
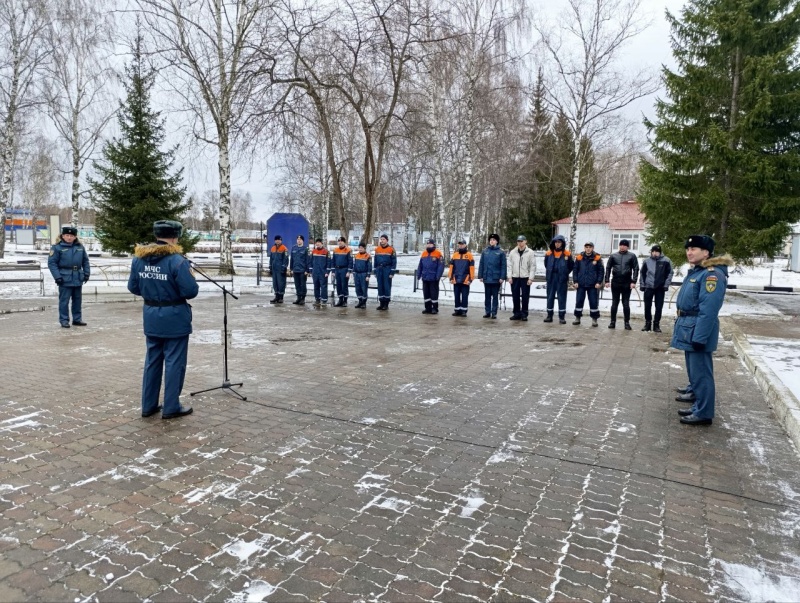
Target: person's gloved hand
x=641, y=288
x=698, y=347
x=59, y=281
x=86, y=279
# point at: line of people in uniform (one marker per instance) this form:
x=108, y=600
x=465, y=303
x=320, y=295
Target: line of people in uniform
x=162, y=276
x=517, y=268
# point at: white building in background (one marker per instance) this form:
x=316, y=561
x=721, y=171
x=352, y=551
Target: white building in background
x=605, y=227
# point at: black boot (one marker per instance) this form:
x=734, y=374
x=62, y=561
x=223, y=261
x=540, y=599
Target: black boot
x=628, y=326
x=656, y=328
x=646, y=326
x=275, y=299
x=428, y=308
x=302, y=300
x=549, y=318
x=612, y=325
x=338, y=303
x=280, y=298
x=577, y=320
x=435, y=308
x=297, y=302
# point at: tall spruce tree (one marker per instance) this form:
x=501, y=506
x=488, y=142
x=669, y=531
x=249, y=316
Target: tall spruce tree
x=726, y=143
x=135, y=187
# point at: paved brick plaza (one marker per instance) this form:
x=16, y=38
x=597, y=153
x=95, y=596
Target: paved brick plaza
x=385, y=456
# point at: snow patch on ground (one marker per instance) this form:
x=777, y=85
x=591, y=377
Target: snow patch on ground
x=472, y=503
x=257, y=590
x=756, y=584
x=783, y=357
x=431, y=402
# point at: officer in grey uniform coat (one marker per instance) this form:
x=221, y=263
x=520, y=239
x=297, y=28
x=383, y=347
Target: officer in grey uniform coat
x=69, y=265
x=162, y=276
x=697, y=326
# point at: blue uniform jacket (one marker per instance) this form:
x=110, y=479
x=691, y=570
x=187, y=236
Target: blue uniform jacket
x=700, y=298
x=70, y=262
x=278, y=259
x=160, y=273
x=431, y=265
x=588, y=271
x=300, y=261
x=493, y=266
x=385, y=257
x=362, y=263
x=343, y=258
x=558, y=267
x=320, y=261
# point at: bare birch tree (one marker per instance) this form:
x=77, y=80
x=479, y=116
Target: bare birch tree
x=212, y=49
x=76, y=85
x=586, y=82
x=23, y=28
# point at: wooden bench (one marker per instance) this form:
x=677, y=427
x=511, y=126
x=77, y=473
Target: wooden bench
x=30, y=266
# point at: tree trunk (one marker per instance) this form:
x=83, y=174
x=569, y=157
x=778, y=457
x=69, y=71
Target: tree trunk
x=575, y=208
x=225, y=251
x=723, y=225
x=7, y=159
x=76, y=170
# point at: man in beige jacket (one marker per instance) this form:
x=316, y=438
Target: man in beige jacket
x=521, y=268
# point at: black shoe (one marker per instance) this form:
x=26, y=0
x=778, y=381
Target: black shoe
x=562, y=321
x=494, y=316
x=274, y=300
x=487, y=315
x=548, y=319
x=577, y=321
x=685, y=412
x=695, y=420
x=181, y=413
x=280, y=299
x=683, y=390
x=689, y=397
x=79, y=323
x=426, y=311
x=303, y=300
x=65, y=325
x=297, y=302
x=524, y=318
x=656, y=328
x=646, y=326
x=435, y=311
x=316, y=302
x=515, y=317
x=612, y=325
x=594, y=322
x=150, y=413
x=628, y=326
x=457, y=313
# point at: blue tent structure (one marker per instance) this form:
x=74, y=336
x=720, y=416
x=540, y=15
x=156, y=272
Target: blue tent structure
x=288, y=226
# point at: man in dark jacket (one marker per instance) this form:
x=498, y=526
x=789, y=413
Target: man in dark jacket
x=655, y=277
x=384, y=264
x=342, y=267
x=622, y=271
x=430, y=270
x=278, y=264
x=69, y=265
x=162, y=276
x=492, y=271
x=587, y=279
x=462, y=273
x=362, y=269
x=558, y=263
x=697, y=327
x=320, y=269
x=300, y=266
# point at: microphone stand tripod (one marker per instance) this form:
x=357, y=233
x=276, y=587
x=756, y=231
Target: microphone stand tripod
x=226, y=386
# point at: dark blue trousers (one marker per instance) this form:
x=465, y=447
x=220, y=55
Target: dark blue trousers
x=594, y=304
x=384, y=283
x=164, y=355
x=361, y=283
x=65, y=294
x=700, y=367
x=300, y=283
x=521, y=294
x=491, y=296
x=461, y=293
x=430, y=291
x=279, y=282
x=559, y=290
x=342, y=283
x=320, y=286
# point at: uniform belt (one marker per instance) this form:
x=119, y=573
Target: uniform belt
x=685, y=313
x=76, y=267
x=164, y=304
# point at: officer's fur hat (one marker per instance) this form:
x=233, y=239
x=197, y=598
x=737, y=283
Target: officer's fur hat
x=701, y=242
x=494, y=236
x=167, y=229
x=69, y=230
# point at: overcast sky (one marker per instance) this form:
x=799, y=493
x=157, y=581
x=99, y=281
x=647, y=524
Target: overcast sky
x=650, y=48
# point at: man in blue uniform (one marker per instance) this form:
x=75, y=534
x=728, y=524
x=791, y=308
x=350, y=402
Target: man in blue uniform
x=385, y=267
x=278, y=264
x=69, y=265
x=492, y=271
x=162, y=276
x=300, y=267
x=558, y=264
x=362, y=269
x=342, y=267
x=697, y=327
x=320, y=269
x=430, y=271
x=587, y=279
